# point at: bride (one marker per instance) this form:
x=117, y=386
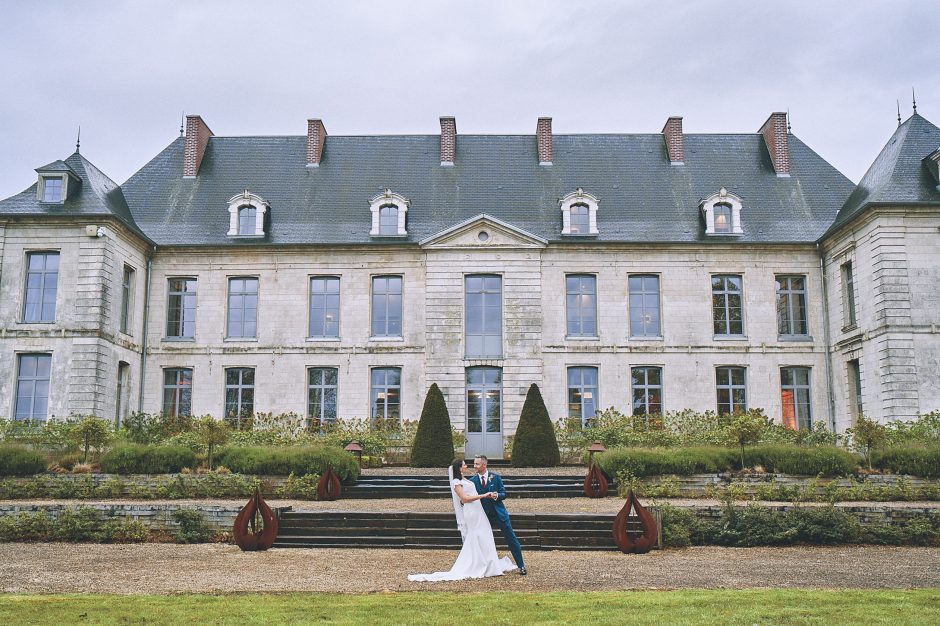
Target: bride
x=477, y=557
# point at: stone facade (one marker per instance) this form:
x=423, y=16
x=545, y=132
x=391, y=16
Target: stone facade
x=892, y=340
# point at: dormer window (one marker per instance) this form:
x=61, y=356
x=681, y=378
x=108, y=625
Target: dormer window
x=247, y=221
x=246, y=215
x=389, y=211
x=52, y=189
x=388, y=219
x=579, y=214
x=722, y=213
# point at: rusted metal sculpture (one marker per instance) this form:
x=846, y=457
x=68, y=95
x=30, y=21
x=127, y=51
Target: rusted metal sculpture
x=595, y=484
x=635, y=533
x=255, y=525
x=329, y=486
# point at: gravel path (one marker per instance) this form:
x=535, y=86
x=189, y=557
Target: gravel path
x=163, y=568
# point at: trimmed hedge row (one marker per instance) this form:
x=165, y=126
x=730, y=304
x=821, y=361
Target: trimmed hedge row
x=914, y=460
x=134, y=458
x=20, y=461
x=818, y=460
x=282, y=461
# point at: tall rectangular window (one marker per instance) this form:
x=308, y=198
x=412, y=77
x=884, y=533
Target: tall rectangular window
x=324, y=306
x=581, y=305
x=647, y=385
x=728, y=305
x=855, y=388
x=732, y=390
x=848, y=295
x=242, y=307
x=483, y=308
x=484, y=399
x=582, y=394
x=127, y=298
x=386, y=306
x=178, y=391
x=644, y=306
x=239, y=393
x=791, y=306
x=33, y=373
x=181, y=308
x=386, y=393
x=42, y=279
x=795, y=397
x=321, y=395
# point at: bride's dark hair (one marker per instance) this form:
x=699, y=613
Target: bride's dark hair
x=455, y=466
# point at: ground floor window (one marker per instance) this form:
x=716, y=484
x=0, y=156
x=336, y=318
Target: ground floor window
x=386, y=393
x=321, y=395
x=32, y=386
x=177, y=391
x=647, y=385
x=795, y=397
x=239, y=394
x=582, y=394
x=732, y=390
x=484, y=399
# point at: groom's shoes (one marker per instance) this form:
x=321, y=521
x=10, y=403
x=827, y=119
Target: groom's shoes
x=522, y=571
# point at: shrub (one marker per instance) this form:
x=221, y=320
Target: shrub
x=658, y=461
x=139, y=459
x=867, y=435
x=193, y=526
x=302, y=487
x=282, y=461
x=747, y=427
x=433, y=443
x=814, y=461
x=534, y=444
x=681, y=528
x=211, y=433
x=909, y=459
x=822, y=525
x=20, y=461
x=91, y=432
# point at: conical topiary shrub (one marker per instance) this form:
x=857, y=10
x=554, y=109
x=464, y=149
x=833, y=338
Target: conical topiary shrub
x=534, y=444
x=434, y=444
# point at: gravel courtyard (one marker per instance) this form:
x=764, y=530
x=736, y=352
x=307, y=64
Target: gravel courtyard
x=164, y=568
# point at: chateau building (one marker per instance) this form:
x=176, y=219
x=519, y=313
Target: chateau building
x=339, y=276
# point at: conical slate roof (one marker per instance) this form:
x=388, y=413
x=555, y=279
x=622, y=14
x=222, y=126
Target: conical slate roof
x=97, y=195
x=899, y=174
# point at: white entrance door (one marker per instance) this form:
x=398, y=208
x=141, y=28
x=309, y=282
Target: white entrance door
x=485, y=412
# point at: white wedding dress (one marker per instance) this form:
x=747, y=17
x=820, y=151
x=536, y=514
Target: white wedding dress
x=477, y=558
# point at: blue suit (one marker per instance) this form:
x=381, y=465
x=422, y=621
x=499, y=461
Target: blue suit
x=496, y=512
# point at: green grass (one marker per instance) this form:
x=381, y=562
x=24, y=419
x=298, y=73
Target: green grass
x=755, y=606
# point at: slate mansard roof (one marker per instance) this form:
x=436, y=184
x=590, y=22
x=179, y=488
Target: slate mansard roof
x=642, y=196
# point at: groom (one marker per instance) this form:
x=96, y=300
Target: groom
x=485, y=481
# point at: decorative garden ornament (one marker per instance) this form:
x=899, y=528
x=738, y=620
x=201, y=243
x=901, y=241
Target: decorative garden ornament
x=638, y=543
x=248, y=535
x=595, y=484
x=329, y=486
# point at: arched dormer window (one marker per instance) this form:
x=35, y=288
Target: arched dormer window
x=722, y=213
x=579, y=214
x=246, y=215
x=389, y=211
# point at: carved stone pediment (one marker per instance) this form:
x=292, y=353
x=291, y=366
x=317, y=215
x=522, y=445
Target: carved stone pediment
x=483, y=232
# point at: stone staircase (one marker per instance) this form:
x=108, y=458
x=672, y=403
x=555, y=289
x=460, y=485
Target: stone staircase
x=435, y=486
x=536, y=531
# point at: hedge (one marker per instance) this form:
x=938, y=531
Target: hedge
x=914, y=460
x=434, y=443
x=534, y=444
x=814, y=461
x=20, y=461
x=141, y=459
x=282, y=461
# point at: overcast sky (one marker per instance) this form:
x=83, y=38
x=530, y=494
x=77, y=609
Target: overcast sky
x=125, y=71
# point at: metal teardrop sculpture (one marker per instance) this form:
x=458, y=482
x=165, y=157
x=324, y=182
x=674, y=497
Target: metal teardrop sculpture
x=248, y=536
x=595, y=484
x=645, y=541
x=329, y=486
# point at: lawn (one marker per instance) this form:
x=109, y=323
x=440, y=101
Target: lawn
x=792, y=606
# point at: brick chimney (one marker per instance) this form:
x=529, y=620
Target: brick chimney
x=448, y=140
x=543, y=134
x=672, y=133
x=316, y=139
x=775, y=134
x=197, y=136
